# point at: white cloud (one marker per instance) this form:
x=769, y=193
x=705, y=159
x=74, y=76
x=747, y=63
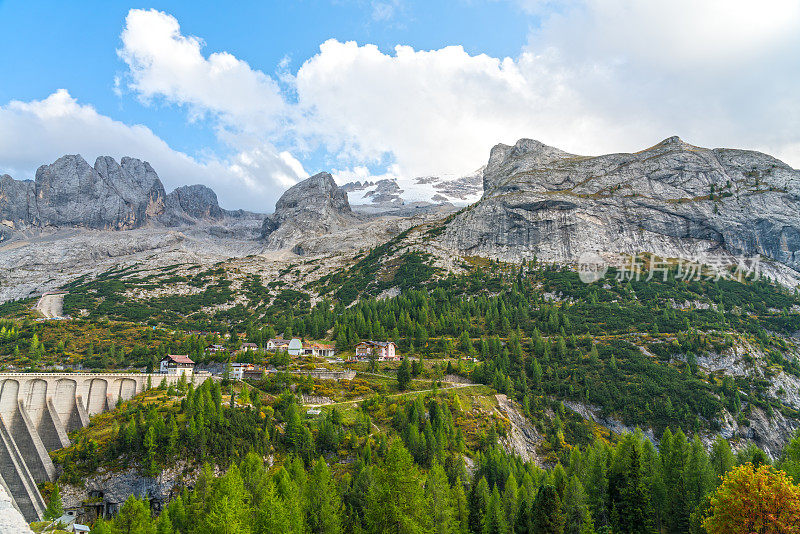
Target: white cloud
x=596, y=76
x=384, y=11
x=40, y=131
x=163, y=63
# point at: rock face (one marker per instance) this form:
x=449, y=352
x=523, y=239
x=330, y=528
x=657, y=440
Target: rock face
x=312, y=207
x=108, y=196
x=192, y=202
x=69, y=192
x=672, y=199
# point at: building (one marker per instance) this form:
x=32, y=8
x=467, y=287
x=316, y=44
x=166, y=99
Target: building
x=383, y=350
x=278, y=344
x=214, y=349
x=295, y=347
x=176, y=364
x=238, y=370
x=248, y=347
x=319, y=350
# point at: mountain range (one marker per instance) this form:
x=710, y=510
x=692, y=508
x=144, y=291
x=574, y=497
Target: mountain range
x=673, y=199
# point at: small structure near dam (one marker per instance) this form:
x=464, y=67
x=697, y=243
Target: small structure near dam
x=38, y=410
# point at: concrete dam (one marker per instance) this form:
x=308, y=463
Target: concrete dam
x=38, y=410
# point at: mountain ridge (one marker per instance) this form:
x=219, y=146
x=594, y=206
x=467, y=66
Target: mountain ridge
x=672, y=199
x=110, y=195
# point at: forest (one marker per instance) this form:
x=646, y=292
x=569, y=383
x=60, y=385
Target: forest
x=414, y=478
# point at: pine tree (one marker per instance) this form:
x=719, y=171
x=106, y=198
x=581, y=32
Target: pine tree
x=547, y=515
x=576, y=512
x=133, y=518
x=399, y=504
x=722, y=459
x=324, y=504
x=630, y=498
x=403, y=375
x=54, y=508
x=437, y=492
x=494, y=520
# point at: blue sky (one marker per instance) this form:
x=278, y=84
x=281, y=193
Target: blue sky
x=249, y=97
x=49, y=45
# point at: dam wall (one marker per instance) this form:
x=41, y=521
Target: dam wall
x=39, y=410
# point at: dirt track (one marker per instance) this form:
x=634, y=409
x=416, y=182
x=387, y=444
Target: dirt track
x=51, y=305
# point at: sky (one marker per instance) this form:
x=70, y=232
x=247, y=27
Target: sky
x=251, y=97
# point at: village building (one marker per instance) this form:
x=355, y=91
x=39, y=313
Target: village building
x=277, y=344
x=248, y=347
x=319, y=350
x=239, y=370
x=295, y=347
x=215, y=349
x=176, y=364
x=382, y=350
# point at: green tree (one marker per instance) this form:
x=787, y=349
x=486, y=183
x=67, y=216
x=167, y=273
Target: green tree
x=494, y=520
x=54, y=508
x=722, y=458
x=399, y=505
x=324, y=504
x=630, y=497
x=133, y=518
x=437, y=492
x=547, y=515
x=403, y=375
x=576, y=512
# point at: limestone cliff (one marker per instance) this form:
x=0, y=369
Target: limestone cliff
x=69, y=193
x=672, y=199
x=312, y=207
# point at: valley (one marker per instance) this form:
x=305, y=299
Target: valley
x=512, y=373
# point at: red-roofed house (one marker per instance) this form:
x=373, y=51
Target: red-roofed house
x=176, y=364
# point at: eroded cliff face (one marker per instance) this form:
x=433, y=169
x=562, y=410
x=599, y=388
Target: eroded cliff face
x=672, y=199
x=69, y=193
x=312, y=207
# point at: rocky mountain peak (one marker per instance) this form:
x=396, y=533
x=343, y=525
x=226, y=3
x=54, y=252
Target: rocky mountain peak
x=317, y=192
x=196, y=201
x=111, y=195
x=673, y=200
x=526, y=154
x=315, y=205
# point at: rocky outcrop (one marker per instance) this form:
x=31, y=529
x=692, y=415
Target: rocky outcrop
x=109, y=196
x=71, y=193
x=115, y=196
x=672, y=199
x=312, y=207
x=190, y=203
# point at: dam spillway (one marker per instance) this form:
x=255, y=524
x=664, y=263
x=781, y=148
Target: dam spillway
x=38, y=410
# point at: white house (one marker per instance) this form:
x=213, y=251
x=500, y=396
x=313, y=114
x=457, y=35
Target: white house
x=295, y=347
x=277, y=344
x=319, y=350
x=176, y=364
x=238, y=370
x=383, y=350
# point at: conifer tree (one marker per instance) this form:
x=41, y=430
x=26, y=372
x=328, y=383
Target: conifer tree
x=437, y=492
x=54, y=508
x=324, y=506
x=548, y=517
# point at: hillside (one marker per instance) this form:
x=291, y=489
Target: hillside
x=511, y=355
